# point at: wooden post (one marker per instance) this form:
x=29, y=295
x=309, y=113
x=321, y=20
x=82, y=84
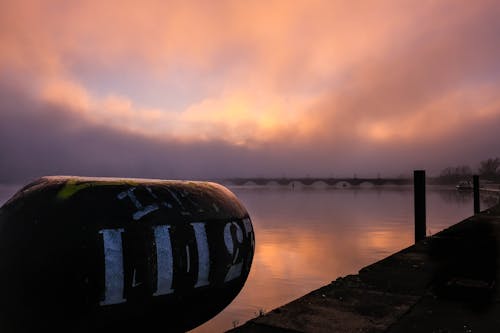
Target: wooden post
x=475, y=183
x=419, y=197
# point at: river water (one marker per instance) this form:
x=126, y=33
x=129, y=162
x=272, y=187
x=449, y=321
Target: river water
x=305, y=238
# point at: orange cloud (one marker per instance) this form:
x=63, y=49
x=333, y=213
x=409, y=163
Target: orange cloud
x=334, y=71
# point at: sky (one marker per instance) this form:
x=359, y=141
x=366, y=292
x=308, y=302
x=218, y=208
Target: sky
x=216, y=89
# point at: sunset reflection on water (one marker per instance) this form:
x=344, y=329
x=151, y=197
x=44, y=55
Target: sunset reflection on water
x=306, y=238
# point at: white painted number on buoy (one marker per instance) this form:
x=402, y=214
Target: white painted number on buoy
x=113, y=263
x=164, y=260
x=203, y=254
x=114, y=267
x=233, y=249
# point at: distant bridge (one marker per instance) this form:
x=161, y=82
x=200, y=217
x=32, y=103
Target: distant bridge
x=308, y=181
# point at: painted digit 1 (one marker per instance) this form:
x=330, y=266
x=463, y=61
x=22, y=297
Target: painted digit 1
x=247, y=224
x=235, y=269
x=164, y=260
x=113, y=263
x=249, y=231
x=203, y=254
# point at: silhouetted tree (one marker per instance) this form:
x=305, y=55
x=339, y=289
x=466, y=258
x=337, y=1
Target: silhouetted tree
x=455, y=174
x=490, y=168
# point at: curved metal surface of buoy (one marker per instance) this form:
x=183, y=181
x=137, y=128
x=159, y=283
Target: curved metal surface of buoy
x=120, y=254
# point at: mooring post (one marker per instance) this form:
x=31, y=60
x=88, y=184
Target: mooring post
x=419, y=197
x=475, y=184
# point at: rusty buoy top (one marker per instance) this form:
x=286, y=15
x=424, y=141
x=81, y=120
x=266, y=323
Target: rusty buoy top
x=78, y=254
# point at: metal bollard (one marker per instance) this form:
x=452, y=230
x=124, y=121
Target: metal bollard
x=419, y=204
x=121, y=255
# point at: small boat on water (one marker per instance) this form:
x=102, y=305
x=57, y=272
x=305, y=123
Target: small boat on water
x=464, y=185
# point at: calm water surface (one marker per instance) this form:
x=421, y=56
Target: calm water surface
x=305, y=238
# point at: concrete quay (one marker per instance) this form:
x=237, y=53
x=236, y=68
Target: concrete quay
x=444, y=283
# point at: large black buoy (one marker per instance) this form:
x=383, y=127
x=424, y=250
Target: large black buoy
x=121, y=255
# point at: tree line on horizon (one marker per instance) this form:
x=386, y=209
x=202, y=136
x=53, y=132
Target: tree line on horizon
x=488, y=169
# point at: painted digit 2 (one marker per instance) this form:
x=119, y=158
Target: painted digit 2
x=113, y=258
x=233, y=239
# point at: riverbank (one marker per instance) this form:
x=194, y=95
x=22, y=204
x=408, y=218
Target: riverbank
x=445, y=283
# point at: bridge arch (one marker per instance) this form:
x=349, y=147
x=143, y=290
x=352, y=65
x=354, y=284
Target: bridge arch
x=296, y=184
x=319, y=184
x=343, y=184
x=366, y=184
x=273, y=183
